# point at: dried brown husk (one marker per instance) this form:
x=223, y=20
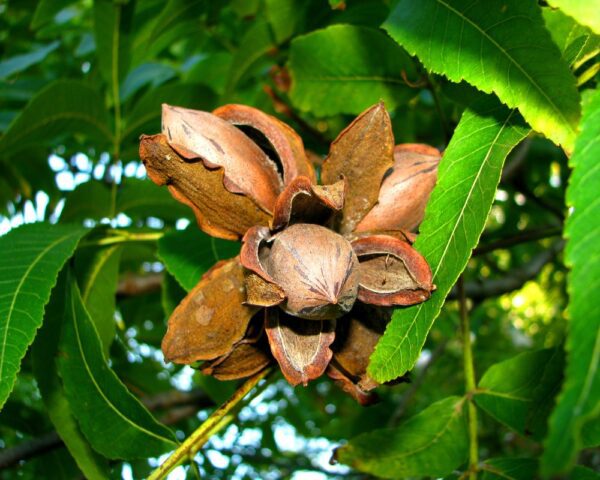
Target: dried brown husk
x=356, y=337
x=300, y=347
x=392, y=272
x=201, y=135
x=212, y=318
x=285, y=142
x=303, y=201
x=362, y=154
x=405, y=190
x=347, y=385
x=248, y=357
x=218, y=212
x=317, y=270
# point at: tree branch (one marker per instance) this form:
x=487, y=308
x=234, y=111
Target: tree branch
x=179, y=405
x=514, y=280
x=522, y=237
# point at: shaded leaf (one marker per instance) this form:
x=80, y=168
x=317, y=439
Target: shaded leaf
x=112, y=32
x=188, y=254
x=585, y=12
x=46, y=11
x=145, y=115
x=140, y=199
x=344, y=69
x=18, y=63
x=579, y=401
x=98, y=273
x=91, y=200
x=64, y=107
x=114, y=421
x=45, y=351
x=32, y=256
x=509, y=468
x=520, y=392
x=431, y=443
x=257, y=41
x=501, y=48
x=454, y=219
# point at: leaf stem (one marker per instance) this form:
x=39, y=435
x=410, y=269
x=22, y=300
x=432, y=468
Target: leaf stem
x=123, y=237
x=215, y=422
x=117, y=105
x=469, y=373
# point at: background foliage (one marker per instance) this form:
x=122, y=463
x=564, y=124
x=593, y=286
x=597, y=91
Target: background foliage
x=505, y=387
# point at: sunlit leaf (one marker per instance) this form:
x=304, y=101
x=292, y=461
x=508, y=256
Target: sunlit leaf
x=502, y=48
x=32, y=256
x=345, y=69
x=456, y=214
x=432, y=443
x=579, y=401
x=114, y=421
x=188, y=254
x=585, y=12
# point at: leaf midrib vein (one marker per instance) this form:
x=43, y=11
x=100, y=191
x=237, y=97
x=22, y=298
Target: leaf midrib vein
x=438, y=266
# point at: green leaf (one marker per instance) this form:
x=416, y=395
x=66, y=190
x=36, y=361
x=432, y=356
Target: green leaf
x=469, y=173
x=19, y=63
x=283, y=17
x=112, y=32
x=432, y=443
x=114, y=421
x=345, y=69
x=32, y=256
x=586, y=12
x=142, y=199
x=64, y=107
x=579, y=401
x=583, y=473
x=144, y=117
x=520, y=392
x=45, y=352
x=46, y=10
x=188, y=254
x=509, y=469
x=256, y=42
x=98, y=273
x=501, y=48
x=90, y=200
x=577, y=43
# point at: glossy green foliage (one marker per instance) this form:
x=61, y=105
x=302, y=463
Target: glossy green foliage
x=455, y=216
x=115, y=423
x=501, y=48
x=583, y=11
x=190, y=253
x=90, y=395
x=520, y=392
x=579, y=401
x=345, y=69
x=32, y=256
x=45, y=352
x=432, y=443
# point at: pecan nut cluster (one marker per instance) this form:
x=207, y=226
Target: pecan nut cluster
x=320, y=264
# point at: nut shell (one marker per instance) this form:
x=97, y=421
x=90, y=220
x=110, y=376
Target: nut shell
x=317, y=270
